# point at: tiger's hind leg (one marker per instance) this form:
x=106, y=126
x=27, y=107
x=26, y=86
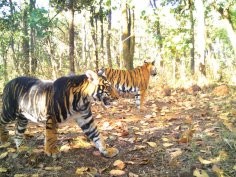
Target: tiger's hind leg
x=7, y=116
x=4, y=134
x=139, y=99
x=86, y=122
x=50, y=144
x=21, y=125
x=142, y=94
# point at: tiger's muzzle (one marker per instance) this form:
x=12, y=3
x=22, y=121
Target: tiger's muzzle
x=154, y=72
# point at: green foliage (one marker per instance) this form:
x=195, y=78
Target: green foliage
x=78, y=5
x=165, y=31
x=233, y=16
x=39, y=20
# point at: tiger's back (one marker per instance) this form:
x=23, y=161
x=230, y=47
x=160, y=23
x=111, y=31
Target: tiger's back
x=25, y=95
x=128, y=81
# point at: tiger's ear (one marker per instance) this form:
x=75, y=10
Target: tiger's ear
x=145, y=61
x=153, y=62
x=92, y=77
x=101, y=71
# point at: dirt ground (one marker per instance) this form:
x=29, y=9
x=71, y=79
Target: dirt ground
x=187, y=133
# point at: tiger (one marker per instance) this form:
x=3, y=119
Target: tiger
x=53, y=102
x=133, y=81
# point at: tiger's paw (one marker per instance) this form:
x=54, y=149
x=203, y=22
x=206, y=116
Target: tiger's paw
x=111, y=152
x=52, y=152
x=4, y=138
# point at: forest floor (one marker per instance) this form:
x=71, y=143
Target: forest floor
x=181, y=133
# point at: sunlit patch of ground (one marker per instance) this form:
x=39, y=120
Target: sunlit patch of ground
x=184, y=134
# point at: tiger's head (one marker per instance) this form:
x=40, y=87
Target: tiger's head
x=151, y=67
x=105, y=92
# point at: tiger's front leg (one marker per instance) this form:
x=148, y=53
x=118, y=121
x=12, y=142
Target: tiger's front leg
x=86, y=122
x=50, y=144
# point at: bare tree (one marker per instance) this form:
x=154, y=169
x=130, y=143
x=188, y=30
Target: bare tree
x=128, y=37
x=25, y=42
x=71, y=37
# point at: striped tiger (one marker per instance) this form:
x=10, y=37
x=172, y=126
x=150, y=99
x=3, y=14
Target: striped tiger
x=53, y=102
x=131, y=81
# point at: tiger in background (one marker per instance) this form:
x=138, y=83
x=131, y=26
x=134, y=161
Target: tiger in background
x=27, y=98
x=131, y=81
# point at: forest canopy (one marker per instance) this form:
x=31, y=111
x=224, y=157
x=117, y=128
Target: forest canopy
x=191, y=41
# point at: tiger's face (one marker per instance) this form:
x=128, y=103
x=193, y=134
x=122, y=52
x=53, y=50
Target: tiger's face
x=151, y=67
x=106, y=92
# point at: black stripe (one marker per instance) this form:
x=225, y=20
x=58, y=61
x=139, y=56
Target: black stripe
x=95, y=134
x=90, y=132
x=87, y=125
x=86, y=116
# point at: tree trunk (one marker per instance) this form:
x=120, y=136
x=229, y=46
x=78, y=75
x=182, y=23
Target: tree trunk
x=192, y=62
x=3, y=52
x=51, y=52
x=84, y=40
x=158, y=32
x=33, y=62
x=128, y=38
x=108, y=39
x=228, y=24
x=231, y=34
x=25, y=42
x=12, y=42
x=102, y=55
x=93, y=20
x=199, y=37
x=71, y=38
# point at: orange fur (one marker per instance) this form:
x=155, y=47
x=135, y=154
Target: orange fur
x=133, y=81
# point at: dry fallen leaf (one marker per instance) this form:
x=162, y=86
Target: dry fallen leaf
x=119, y=164
x=138, y=147
x=11, y=150
x=81, y=142
x=200, y=173
x=5, y=145
x=3, y=170
x=132, y=175
x=89, y=171
x=23, y=148
x=55, y=168
x=221, y=157
x=3, y=155
x=130, y=162
x=188, y=119
x=186, y=136
x=98, y=116
x=81, y=170
x=218, y=171
x=167, y=144
x=148, y=116
x=117, y=172
x=234, y=167
x=26, y=175
x=152, y=144
x=163, y=113
x=203, y=161
x=106, y=126
x=174, y=152
x=65, y=148
x=230, y=126
x=165, y=139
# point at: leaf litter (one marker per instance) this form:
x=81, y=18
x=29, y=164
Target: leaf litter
x=182, y=134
